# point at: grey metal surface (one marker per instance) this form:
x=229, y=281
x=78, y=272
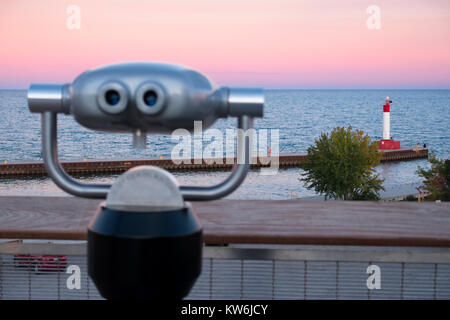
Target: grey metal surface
x=186, y=96
x=54, y=168
x=144, y=189
x=258, y=252
x=139, y=139
x=49, y=97
x=72, y=186
x=248, y=277
x=329, y=253
x=179, y=97
x=237, y=176
x=245, y=101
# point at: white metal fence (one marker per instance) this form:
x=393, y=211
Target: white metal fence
x=28, y=271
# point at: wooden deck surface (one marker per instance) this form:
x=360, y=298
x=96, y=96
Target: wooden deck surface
x=252, y=221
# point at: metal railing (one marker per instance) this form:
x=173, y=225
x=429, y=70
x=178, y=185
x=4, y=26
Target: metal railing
x=27, y=271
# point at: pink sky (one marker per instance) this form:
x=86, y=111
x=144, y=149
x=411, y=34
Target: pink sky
x=274, y=44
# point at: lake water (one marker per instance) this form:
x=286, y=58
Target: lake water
x=417, y=116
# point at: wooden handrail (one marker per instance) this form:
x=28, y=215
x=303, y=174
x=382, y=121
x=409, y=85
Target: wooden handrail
x=252, y=221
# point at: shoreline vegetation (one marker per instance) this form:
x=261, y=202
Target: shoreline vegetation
x=341, y=166
x=436, y=179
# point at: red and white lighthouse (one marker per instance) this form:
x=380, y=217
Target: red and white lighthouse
x=387, y=142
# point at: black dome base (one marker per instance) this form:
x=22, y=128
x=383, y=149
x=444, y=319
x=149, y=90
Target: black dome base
x=144, y=267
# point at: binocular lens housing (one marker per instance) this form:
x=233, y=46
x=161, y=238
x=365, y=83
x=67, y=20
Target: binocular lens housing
x=144, y=255
x=112, y=97
x=150, y=98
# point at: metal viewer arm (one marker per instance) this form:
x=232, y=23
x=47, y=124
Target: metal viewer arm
x=70, y=185
x=237, y=176
x=54, y=168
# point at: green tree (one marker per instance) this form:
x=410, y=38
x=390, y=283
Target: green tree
x=341, y=165
x=437, y=178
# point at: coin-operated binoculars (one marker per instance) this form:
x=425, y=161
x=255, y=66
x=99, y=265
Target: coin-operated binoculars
x=144, y=241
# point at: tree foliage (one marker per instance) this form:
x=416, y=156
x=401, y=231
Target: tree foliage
x=437, y=178
x=341, y=165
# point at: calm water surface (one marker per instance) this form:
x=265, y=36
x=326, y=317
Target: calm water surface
x=417, y=116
